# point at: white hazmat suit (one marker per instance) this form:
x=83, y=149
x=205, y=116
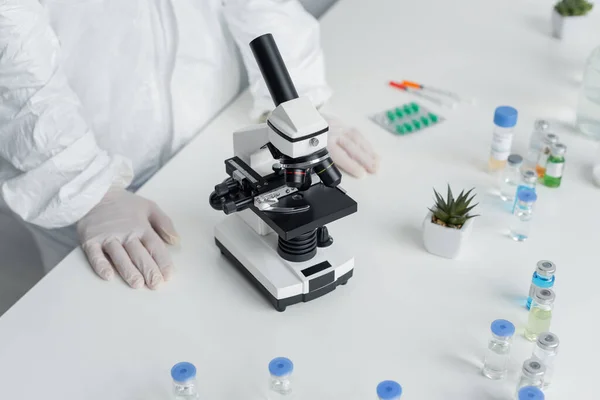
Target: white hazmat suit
x=97, y=94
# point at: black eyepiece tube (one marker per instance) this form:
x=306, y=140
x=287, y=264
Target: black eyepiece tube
x=273, y=69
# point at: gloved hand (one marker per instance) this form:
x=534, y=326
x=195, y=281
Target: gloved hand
x=349, y=149
x=132, y=232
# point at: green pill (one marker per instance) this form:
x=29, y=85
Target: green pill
x=433, y=117
x=416, y=124
x=391, y=116
x=399, y=112
x=400, y=129
x=408, y=127
x=414, y=106
x=425, y=121
x=407, y=109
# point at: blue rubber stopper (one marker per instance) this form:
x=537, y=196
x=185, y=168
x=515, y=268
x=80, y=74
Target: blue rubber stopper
x=183, y=372
x=503, y=328
x=281, y=366
x=527, y=195
x=531, y=393
x=505, y=116
x=389, y=390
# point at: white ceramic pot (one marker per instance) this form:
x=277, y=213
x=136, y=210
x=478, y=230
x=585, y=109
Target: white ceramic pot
x=569, y=28
x=443, y=241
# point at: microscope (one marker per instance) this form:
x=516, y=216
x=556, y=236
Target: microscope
x=283, y=189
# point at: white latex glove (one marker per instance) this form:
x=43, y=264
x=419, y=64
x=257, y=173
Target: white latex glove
x=131, y=232
x=349, y=149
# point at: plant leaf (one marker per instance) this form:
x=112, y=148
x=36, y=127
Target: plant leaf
x=441, y=204
x=457, y=221
x=470, y=208
x=441, y=215
x=450, y=200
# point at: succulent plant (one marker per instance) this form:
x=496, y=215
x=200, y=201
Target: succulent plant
x=573, y=8
x=453, y=213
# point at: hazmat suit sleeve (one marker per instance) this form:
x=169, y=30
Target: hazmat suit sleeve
x=297, y=35
x=52, y=170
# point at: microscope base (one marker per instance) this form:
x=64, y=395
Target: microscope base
x=282, y=282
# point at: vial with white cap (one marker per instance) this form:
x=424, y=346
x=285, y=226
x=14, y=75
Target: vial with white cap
x=543, y=277
x=389, y=390
x=546, y=349
x=280, y=386
x=540, y=314
x=495, y=365
x=511, y=175
x=532, y=374
x=530, y=393
x=184, y=381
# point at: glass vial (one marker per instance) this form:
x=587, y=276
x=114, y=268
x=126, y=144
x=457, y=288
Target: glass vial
x=389, y=390
x=549, y=140
x=588, y=109
x=546, y=349
x=528, y=180
x=280, y=385
x=530, y=393
x=541, y=127
x=511, y=177
x=184, y=381
x=532, y=374
x=505, y=119
x=555, y=166
x=521, y=218
x=495, y=365
x=540, y=314
x=543, y=277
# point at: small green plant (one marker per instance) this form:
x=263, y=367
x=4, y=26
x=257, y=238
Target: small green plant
x=573, y=8
x=453, y=213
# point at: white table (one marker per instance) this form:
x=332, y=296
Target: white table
x=405, y=315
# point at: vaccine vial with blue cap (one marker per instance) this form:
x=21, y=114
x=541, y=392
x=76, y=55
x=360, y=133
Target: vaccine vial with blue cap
x=184, y=381
x=530, y=393
x=280, y=386
x=521, y=218
x=505, y=119
x=495, y=365
x=389, y=390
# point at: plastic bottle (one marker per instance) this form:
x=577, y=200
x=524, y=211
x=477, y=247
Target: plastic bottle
x=511, y=176
x=521, y=218
x=528, y=180
x=549, y=140
x=543, y=277
x=505, y=119
x=280, y=385
x=555, y=166
x=545, y=350
x=389, y=390
x=495, y=365
x=540, y=314
x=530, y=393
x=541, y=127
x=588, y=109
x=185, y=386
x=532, y=374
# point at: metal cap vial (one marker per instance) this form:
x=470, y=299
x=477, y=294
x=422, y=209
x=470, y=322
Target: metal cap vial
x=533, y=368
x=544, y=296
x=546, y=268
x=548, y=341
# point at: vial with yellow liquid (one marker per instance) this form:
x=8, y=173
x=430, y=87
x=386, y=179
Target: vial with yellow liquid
x=505, y=119
x=540, y=314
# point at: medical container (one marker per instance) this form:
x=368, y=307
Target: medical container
x=540, y=314
x=495, y=365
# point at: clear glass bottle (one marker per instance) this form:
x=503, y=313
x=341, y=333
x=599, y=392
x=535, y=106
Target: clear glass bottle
x=549, y=140
x=185, y=386
x=588, y=109
x=541, y=127
x=511, y=176
x=596, y=167
x=505, y=119
x=543, y=277
x=528, y=180
x=389, y=390
x=555, y=166
x=495, y=365
x=532, y=374
x=521, y=218
x=280, y=385
x=530, y=393
x=540, y=313
x=545, y=350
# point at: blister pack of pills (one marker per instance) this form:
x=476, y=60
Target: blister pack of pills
x=407, y=118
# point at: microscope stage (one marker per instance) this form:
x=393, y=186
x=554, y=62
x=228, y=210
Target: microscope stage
x=283, y=282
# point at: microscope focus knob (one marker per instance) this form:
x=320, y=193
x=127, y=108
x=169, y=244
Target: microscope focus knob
x=323, y=238
x=229, y=207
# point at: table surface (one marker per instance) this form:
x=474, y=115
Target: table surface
x=405, y=315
